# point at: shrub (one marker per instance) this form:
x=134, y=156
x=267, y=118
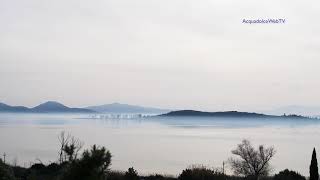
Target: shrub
x=201, y=173
x=158, y=177
x=6, y=172
x=93, y=165
x=40, y=171
x=115, y=175
x=288, y=175
x=131, y=174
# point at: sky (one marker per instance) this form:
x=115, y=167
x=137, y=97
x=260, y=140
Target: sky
x=183, y=54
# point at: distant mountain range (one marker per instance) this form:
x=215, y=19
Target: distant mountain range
x=47, y=107
x=225, y=114
x=56, y=107
x=7, y=108
x=126, y=108
x=117, y=108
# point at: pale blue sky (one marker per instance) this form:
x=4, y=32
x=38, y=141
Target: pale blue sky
x=163, y=53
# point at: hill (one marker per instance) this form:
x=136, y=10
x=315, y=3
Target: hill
x=7, y=108
x=126, y=108
x=227, y=114
x=214, y=114
x=56, y=107
x=47, y=107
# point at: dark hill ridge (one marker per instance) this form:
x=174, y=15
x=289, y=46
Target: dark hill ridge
x=47, y=107
x=215, y=114
x=225, y=114
x=7, y=108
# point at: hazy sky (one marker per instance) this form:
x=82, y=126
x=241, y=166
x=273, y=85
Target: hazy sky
x=163, y=53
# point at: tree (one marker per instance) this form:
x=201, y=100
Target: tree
x=69, y=147
x=251, y=162
x=131, y=174
x=314, y=175
x=63, y=139
x=72, y=148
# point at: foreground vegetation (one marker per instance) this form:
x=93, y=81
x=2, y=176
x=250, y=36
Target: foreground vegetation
x=247, y=163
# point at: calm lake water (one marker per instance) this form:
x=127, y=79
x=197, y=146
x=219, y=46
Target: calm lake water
x=159, y=145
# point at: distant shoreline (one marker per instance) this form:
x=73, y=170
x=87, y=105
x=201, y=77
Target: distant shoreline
x=230, y=114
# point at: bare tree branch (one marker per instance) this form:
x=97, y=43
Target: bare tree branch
x=251, y=162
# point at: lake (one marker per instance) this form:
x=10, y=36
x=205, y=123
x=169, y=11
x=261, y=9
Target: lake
x=158, y=145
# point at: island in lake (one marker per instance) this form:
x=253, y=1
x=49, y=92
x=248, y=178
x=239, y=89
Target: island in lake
x=227, y=114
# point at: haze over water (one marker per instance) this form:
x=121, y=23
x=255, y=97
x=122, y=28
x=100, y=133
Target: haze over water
x=159, y=145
